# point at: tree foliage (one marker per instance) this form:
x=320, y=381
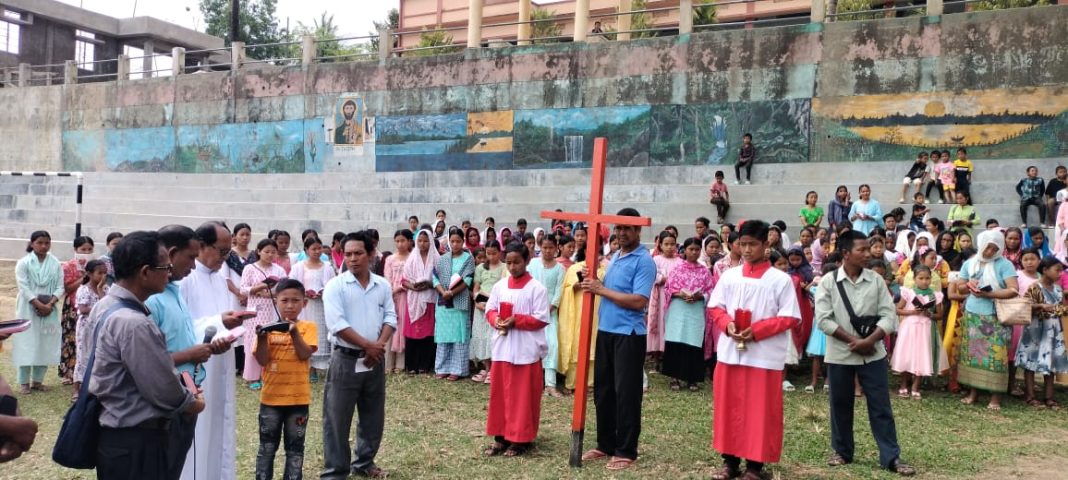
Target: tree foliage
x=392, y=22
x=439, y=39
x=844, y=7
x=326, y=39
x=1003, y=4
x=544, y=25
x=641, y=21
x=704, y=13
x=258, y=26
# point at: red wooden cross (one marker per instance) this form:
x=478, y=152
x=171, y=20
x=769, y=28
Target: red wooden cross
x=594, y=219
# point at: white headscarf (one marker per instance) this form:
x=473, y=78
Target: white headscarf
x=416, y=270
x=984, y=266
x=537, y=240
x=903, y=247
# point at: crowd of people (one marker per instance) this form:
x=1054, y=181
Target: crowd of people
x=871, y=292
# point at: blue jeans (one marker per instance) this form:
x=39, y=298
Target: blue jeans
x=274, y=421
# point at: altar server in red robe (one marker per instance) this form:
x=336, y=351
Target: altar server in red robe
x=519, y=311
x=756, y=306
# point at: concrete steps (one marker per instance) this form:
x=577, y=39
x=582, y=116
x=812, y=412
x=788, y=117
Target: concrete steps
x=344, y=202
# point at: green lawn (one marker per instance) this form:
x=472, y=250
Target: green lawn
x=434, y=429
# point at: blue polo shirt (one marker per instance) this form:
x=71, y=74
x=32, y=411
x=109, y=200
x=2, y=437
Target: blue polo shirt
x=633, y=273
x=172, y=316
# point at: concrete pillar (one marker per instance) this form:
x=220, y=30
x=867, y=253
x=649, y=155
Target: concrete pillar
x=582, y=20
x=177, y=61
x=308, y=50
x=237, y=55
x=474, y=22
x=70, y=72
x=147, y=64
x=6, y=79
x=24, y=74
x=623, y=21
x=935, y=7
x=123, y=71
x=819, y=11
x=523, y=34
x=385, y=43
x=686, y=16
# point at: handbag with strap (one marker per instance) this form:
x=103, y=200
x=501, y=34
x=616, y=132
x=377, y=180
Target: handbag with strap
x=77, y=440
x=864, y=325
x=1013, y=311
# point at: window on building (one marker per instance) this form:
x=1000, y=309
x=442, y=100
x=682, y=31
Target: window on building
x=9, y=31
x=84, y=49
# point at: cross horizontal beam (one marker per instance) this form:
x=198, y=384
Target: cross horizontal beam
x=598, y=218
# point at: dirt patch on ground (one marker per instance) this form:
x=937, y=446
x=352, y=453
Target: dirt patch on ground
x=1049, y=460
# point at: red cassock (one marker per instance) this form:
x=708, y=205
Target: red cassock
x=801, y=331
x=516, y=390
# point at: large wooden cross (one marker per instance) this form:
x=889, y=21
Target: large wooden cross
x=594, y=219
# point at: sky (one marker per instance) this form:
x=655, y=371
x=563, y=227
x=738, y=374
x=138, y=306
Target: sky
x=353, y=17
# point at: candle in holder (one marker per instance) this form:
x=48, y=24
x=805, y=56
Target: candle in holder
x=743, y=319
x=505, y=312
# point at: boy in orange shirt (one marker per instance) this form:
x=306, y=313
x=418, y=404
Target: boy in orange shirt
x=284, y=355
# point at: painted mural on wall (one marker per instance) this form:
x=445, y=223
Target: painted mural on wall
x=562, y=138
x=711, y=134
x=996, y=123
x=453, y=141
x=264, y=147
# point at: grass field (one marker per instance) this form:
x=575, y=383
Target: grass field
x=434, y=429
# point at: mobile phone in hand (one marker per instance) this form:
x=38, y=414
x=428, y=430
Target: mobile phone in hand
x=581, y=277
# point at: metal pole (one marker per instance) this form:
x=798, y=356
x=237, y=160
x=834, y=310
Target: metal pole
x=235, y=21
x=78, y=206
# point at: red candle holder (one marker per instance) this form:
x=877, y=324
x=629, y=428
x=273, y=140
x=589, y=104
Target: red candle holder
x=504, y=312
x=743, y=319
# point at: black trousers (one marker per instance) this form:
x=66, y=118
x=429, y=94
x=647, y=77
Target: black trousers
x=182, y=431
x=134, y=454
x=617, y=392
x=419, y=355
x=873, y=379
x=722, y=208
x=934, y=184
x=748, y=166
x=1037, y=203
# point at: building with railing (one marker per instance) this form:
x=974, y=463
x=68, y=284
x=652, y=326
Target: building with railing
x=45, y=34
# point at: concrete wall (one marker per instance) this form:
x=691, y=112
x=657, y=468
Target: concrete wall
x=847, y=91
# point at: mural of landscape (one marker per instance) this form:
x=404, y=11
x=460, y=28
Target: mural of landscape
x=563, y=138
x=712, y=134
x=997, y=123
x=264, y=147
x=454, y=141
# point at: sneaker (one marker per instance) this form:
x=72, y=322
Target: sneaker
x=787, y=386
x=737, y=182
x=941, y=202
x=901, y=200
x=747, y=182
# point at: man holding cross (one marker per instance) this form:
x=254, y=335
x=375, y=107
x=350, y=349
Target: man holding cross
x=621, y=346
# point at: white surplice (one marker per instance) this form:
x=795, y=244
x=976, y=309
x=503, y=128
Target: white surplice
x=214, y=452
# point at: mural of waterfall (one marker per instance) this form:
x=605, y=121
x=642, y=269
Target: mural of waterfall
x=573, y=149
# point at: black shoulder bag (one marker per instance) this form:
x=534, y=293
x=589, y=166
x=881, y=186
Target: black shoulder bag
x=864, y=325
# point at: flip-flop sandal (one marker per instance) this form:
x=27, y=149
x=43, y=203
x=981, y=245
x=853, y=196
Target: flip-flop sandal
x=916, y=396
x=593, y=455
x=993, y=408
x=810, y=389
x=618, y=463
x=726, y=473
x=1052, y=405
x=452, y=378
x=516, y=450
x=1035, y=403
x=495, y=449
x=39, y=387
x=903, y=393
x=836, y=460
x=675, y=386
x=693, y=387
x=25, y=390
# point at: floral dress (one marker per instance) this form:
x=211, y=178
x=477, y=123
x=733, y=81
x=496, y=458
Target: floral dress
x=1042, y=347
x=69, y=322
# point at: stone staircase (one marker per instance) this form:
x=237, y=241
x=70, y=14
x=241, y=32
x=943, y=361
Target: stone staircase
x=349, y=201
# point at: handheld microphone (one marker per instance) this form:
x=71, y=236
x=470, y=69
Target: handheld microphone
x=209, y=333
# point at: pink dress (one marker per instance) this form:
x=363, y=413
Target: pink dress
x=394, y=272
x=654, y=317
x=917, y=347
x=252, y=276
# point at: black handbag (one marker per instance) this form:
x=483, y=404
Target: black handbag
x=864, y=325
x=77, y=440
